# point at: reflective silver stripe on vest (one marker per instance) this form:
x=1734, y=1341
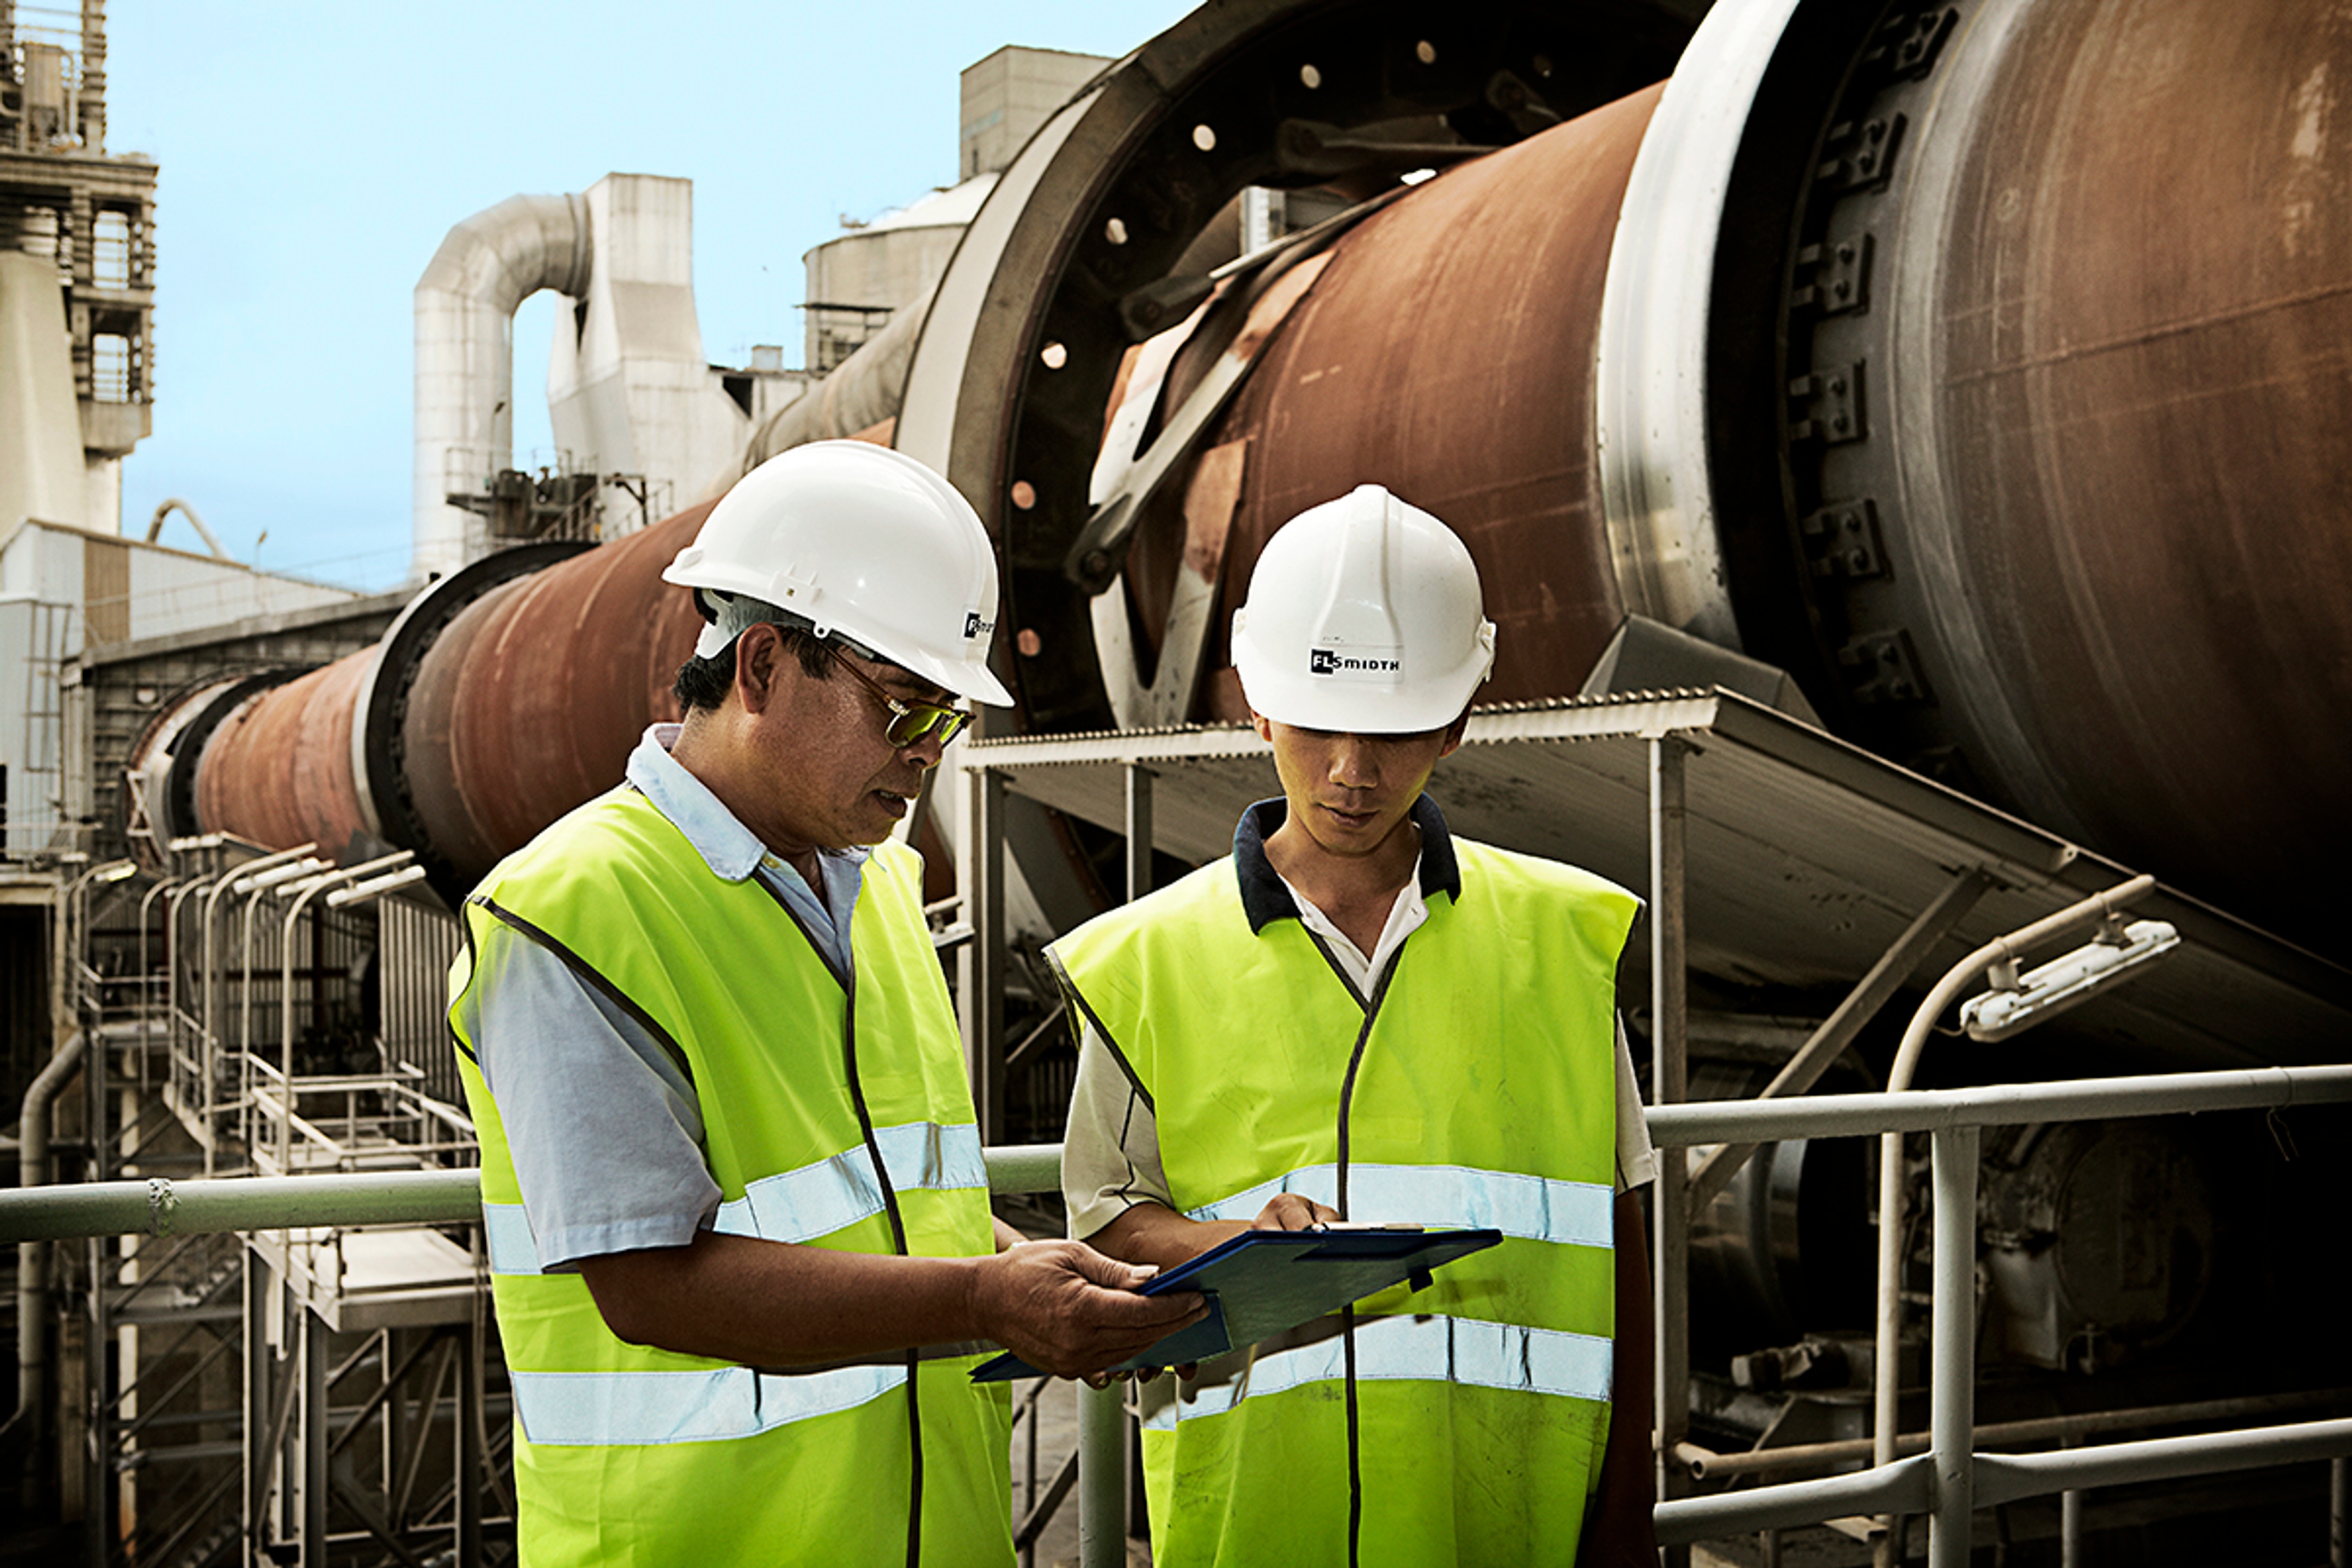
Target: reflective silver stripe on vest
x=1429, y=1349
x=507, y=1235
x=572, y=1408
x=799, y=1205
x=831, y=1194
x=1538, y=1208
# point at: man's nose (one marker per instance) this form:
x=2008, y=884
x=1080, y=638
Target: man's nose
x=1353, y=763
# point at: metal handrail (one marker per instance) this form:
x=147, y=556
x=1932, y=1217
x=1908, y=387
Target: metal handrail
x=1947, y=1483
x=1950, y=1471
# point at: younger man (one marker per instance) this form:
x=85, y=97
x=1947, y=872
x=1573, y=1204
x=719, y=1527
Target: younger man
x=1357, y=1017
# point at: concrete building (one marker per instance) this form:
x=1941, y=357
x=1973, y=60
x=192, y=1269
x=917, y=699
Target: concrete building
x=77, y=232
x=76, y=390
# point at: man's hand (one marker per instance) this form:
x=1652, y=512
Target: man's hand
x=1290, y=1211
x=1065, y=1308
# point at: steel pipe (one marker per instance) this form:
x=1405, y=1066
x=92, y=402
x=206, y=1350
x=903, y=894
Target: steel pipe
x=1996, y=1105
x=1704, y=1464
x=1905, y=1487
x=160, y=1207
x=33, y=1259
x=580, y=657
x=2005, y=1478
x=279, y=771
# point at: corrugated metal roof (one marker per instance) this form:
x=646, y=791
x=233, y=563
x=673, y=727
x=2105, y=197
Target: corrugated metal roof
x=1806, y=856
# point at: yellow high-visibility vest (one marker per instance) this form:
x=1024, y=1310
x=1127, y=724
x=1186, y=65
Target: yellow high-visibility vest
x=836, y=1115
x=1464, y=1423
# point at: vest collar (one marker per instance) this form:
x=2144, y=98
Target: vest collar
x=1263, y=897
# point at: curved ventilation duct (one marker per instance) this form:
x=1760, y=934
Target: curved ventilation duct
x=465, y=303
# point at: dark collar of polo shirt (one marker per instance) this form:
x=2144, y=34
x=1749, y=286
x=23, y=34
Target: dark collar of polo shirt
x=1263, y=898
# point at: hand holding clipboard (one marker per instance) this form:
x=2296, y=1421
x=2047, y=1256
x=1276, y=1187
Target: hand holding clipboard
x=1263, y=1282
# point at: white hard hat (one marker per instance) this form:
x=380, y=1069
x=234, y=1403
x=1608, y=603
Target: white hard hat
x=863, y=542
x=1363, y=617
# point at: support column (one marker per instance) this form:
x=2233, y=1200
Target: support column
x=310, y=1437
x=473, y=1463
x=1669, y=1024
x=1128, y=1461
x=257, y=1439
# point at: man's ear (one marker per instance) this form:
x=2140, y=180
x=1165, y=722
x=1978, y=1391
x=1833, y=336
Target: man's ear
x=1263, y=725
x=759, y=664
x=1454, y=735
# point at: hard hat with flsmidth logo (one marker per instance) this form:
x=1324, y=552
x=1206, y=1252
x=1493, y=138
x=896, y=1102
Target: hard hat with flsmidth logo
x=1363, y=616
x=861, y=541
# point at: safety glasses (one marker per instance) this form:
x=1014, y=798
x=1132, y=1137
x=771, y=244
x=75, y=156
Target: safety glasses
x=909, y=721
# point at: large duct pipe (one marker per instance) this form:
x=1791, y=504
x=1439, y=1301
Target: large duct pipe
x=465, y=305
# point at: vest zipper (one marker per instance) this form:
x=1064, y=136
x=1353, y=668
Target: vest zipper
x=1347, y=1314
x=847, y=977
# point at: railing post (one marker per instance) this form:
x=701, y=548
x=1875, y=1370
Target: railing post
x=979, y=962
x=1951, y=1390
x=1102, y=1475
x=2339, y=1502
x=1668, y=1022
x=1139, y=830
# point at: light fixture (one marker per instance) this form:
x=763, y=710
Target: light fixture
x=2017, y=1000
x=275, y=875
x=375, y=887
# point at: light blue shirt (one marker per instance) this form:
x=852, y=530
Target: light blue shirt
x=605, y=1132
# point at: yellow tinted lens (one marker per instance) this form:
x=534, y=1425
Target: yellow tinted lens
x=913, y=720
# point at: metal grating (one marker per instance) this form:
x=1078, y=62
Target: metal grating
x=1807, y=856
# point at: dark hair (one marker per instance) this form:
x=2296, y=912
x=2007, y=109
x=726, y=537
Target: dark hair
x=705, y=682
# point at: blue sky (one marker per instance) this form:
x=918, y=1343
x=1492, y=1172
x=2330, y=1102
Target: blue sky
x=313, y=156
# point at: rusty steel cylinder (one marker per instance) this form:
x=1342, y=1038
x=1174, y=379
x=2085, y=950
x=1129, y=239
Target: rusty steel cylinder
x=1446, y=352
x=2125, y=345
x=530, y=702
x=504, y=704
x=278, y=771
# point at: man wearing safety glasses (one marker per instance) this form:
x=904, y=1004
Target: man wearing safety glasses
x=733, y=1193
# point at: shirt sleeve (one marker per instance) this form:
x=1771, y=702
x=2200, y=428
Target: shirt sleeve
x=1637, y=1158
x=603, y=1126
x=1110, y=1152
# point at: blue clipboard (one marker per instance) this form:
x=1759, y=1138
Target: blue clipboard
x=1265, y=1281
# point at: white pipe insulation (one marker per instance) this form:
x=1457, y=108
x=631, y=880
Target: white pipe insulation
x=466, y=301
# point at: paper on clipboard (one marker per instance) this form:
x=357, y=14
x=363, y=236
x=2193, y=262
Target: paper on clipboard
x=1265, y=1281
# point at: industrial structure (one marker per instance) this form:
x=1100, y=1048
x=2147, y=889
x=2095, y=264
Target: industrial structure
x=1905, y=528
